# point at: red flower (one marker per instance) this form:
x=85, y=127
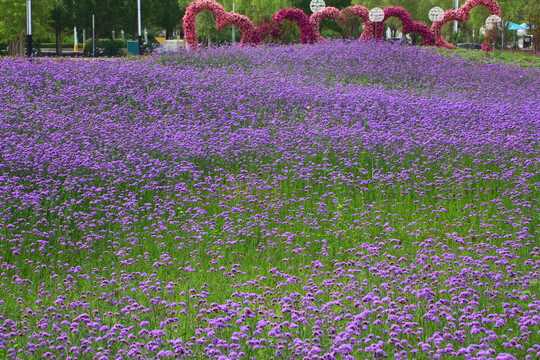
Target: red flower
x=243, y=22
x=462, y=15
x=408, y=24
x=191, y=13
x=262, y=31
x=307, y=35
x=328, y=12
x=309, y=28
x=359, y=11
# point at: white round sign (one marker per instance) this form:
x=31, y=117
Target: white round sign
x=376, y=15
x=436, y=14
x=493, y=21
x=317, y=6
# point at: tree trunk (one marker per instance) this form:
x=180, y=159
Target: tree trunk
x=58, y=42
x=16, y=47
x=167, y=34
x=209, y=40
x=11, y=48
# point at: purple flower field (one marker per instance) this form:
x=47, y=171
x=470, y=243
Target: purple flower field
x=340, y=201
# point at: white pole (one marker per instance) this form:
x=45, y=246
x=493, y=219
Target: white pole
x=93, y=36
x=139, y=24
x=455, y=22
x=28, y=17
x=233, y=28
x=75, y=40
x=28, y=27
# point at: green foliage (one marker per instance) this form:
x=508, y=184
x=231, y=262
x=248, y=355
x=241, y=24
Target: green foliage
x=13, y=18
x=106, y=47
x=521, y=59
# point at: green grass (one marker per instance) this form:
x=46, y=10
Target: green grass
x=523, y=59
x=342, y=234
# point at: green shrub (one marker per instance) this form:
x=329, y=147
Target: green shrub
x=53, y=45
x=106, y=47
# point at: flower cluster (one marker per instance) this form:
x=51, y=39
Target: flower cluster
x=294, y=202
x=462, y=15
x=262, y=32
x=328, y=12
x=307, y=35
x=359, y=11
x=309, y=26
x=408, y=24
x=244, y=24
x=192, y=11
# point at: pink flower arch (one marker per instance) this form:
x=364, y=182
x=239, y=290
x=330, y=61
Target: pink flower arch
x=328, y=12
x=244, y=24
x=462, y=15
x=308, y=26
x=408, y=24
x=262, y=31
x=192, y=11
x=359, y=11
x=307, y=35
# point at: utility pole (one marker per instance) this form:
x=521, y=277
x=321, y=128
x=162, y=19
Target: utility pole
x=455, y=21
x=233, y=28
x=139, y=23
x=28, y=28
x=75, y=40
x=93, y=36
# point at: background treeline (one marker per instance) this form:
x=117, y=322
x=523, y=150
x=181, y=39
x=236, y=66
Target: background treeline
x=53, y=20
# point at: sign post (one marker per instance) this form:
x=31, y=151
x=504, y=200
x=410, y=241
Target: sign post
x=494, y=22
x=436, y=14
x=376, y=15
x=317, y=6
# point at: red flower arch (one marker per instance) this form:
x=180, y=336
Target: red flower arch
x=307, y=35
x=243, y=22
x=359, y=11
x=189, y=19
x=462, y=15
x=328, y=12
x=262, y=31
x=308, y=26
x=408, y=24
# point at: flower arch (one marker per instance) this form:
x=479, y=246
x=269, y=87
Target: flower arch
x=192, y=11
x=308, y=26
x=359, y=11
x=307, y=35
x=243, y=22
x=328, y=12
x=409, y=25
x=262, y=31
x=462, y=15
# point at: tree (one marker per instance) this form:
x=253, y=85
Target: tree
x=60, y=18
x=108, y=13
x=13, y=20
x=166, y=14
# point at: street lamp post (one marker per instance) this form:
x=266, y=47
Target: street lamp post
x=28, y=28
x=455, y=22
x=233, y=28
x=93, y=36
x=139, y=24
x=75, y=39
